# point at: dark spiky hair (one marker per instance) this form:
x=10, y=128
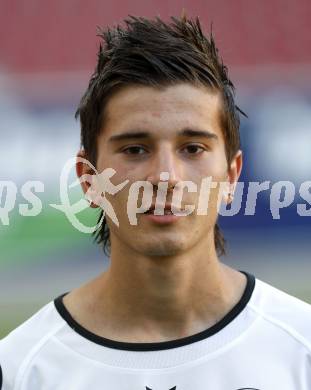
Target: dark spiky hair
x=154, y=53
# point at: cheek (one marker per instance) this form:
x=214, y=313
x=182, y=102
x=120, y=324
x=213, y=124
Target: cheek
x=121, y=199
x=122, y=173
x=213, y=166
x=217, y=162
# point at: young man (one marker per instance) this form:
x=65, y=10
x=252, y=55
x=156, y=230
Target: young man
x=167, y=314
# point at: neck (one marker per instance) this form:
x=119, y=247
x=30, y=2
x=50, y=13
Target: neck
x=169, y=297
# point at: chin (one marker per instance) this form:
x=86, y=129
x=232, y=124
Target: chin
x=162, y=248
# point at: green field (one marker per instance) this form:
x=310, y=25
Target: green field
x=30, y=240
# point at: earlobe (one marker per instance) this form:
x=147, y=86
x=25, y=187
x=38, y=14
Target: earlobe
x=228, y=194
x=233, y=175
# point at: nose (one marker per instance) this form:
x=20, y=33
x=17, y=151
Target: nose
x=165, y=160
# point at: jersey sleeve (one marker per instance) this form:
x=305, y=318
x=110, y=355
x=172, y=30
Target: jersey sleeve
x=18, y=345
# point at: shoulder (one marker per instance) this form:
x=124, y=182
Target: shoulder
x=17, y=348
x=284, y=311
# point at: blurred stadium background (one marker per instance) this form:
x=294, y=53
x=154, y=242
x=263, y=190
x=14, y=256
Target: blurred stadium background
x=47, y=54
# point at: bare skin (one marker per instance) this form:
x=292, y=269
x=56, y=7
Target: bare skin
x=164, y=282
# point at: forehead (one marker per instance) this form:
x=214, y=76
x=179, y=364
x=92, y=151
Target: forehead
x=163, y=111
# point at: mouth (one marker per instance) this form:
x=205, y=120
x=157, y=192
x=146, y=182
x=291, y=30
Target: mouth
x=166, y=216
x=166, y=212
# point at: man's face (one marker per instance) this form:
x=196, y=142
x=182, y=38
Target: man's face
x=165, y=117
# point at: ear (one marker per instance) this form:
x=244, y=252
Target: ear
x=234, y=173
x=84, y=170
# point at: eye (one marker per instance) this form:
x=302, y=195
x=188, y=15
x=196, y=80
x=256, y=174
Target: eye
x=194, y=149
x=134, y=150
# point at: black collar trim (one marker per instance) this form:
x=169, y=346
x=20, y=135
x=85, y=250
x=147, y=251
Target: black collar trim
x=233, y=313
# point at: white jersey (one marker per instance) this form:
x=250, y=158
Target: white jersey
x=263, y=343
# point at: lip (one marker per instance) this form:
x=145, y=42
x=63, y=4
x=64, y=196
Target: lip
x=162, y=219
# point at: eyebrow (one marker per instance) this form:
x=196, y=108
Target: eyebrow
x=144, y=134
